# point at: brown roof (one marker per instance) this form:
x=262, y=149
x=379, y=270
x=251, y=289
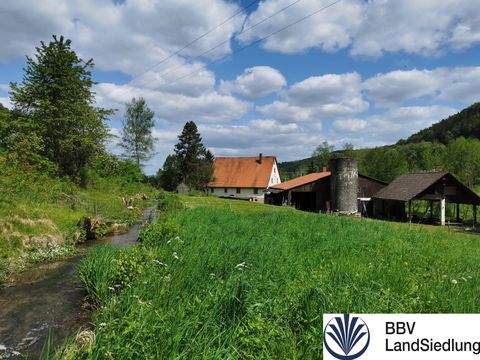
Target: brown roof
x=408, y=186
x=300, y=181
x=243, y=172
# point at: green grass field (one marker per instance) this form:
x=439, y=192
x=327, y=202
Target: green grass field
x=39, y=214
x=229, y=279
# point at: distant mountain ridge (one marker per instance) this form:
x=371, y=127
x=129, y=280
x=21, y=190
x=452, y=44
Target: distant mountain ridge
x=466, y=123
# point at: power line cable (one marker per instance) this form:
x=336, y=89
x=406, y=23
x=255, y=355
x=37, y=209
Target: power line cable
x=241, y=10
x=254, y=42
x=229, y=39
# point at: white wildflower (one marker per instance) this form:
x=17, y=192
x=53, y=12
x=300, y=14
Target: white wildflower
x=175, y=255
x=464, y=279
x=159, y=263
x=102, y=324
x=241, y=266
x=454, y=281
x=111, y=288
x=212, y=275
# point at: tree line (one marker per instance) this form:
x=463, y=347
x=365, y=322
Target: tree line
x=56, y=127
x=460, y=156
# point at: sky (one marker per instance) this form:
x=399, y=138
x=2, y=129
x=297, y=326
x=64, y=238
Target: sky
x=353, y=71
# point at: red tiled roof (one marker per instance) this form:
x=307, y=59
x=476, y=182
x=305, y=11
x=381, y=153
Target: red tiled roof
x=302, y=180
x=243, y=172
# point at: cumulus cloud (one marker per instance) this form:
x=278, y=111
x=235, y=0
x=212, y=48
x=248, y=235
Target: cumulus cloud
x=260, y=135
x=285, y=112
x=175, y=108
x=329, y=30
x=128, y=36
x=393, y=124
x=370, y=28
x=418, y=27
x=349, y=125
x=329, y=95
x=255, y=83
x=460, y=84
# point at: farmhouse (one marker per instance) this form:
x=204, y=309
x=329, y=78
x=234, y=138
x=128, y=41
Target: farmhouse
x=244, y=177
x=395, y=200
x=312, y=192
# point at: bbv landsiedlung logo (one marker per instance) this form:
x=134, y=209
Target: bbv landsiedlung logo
x=346, y=337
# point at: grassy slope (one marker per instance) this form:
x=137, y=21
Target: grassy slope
x=253, y=281
x=39, y=214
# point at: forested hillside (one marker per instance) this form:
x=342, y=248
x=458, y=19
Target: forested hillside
x=452, y=145
x=466, y=123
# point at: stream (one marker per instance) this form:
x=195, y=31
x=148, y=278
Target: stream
x=47, y=301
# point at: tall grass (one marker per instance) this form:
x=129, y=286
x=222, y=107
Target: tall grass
x=39, y=213
x=239, y=282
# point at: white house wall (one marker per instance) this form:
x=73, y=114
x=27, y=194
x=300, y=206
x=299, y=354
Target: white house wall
x=274, y=176
x=232, y=192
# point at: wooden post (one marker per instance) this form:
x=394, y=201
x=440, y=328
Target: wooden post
x=442, y=212
x=458, y=212
x=474, y=216
x=410, y=210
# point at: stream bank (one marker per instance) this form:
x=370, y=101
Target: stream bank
x=48, y=301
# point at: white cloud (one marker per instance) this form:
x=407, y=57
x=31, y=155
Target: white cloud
x=5, y=101
x=175, y=108
x=128, y=36
x=285, y=112
x=450, y=84
x=255, y=83
x=370, y=28
x=349, y=125
x=394, y=124
x=329, y=30
x=329, y=95
x=259, y=136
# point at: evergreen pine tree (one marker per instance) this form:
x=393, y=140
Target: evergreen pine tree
x=194, y=161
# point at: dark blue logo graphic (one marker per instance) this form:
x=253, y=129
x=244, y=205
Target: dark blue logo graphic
x=346, y=338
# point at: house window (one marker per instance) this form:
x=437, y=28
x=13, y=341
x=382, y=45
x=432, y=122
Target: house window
x=255, y=190
x=225, y=190
x=239, y=190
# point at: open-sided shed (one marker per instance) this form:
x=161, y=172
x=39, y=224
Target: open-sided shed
x=395, y=200
x=312, y=192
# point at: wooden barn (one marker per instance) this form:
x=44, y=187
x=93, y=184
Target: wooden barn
x=312, y=192
x=395, y=200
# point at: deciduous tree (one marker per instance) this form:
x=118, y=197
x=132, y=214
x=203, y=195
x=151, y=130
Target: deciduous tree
x=137, y=138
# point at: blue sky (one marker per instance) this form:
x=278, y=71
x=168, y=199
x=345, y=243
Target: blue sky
x=365, y=72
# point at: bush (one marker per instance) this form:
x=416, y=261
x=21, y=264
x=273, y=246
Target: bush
x=160, y=232
x=167, y=201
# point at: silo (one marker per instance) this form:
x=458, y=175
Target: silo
x=344, y=184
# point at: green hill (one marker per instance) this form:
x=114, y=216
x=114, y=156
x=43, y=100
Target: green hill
x=425, y=150
x=466, y=123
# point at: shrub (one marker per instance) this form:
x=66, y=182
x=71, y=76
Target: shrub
x=160, y=232
x=167, y=201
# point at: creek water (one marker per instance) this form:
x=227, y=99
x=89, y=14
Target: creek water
x=48, y=303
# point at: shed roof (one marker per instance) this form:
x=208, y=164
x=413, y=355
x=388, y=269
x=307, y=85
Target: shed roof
x=301, y=180
x=242, y=172
x=410, y=186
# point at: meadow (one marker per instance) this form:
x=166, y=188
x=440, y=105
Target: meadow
x=39, y=214
x=227, y=279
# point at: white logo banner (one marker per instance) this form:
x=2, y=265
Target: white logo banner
x=401, y=336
